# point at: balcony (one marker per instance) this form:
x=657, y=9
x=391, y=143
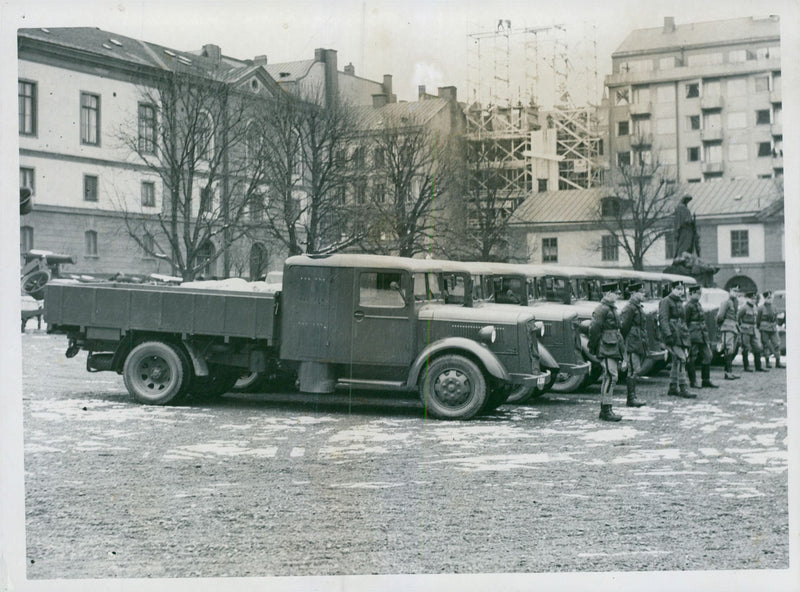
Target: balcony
x=711, y=103
x=641, y=109
x=640, y=140
x=777, y=129
x=775, y=97
x=712, y=167
x=713, y=134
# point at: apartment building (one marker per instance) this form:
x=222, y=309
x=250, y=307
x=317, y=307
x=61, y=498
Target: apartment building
x=701, y=99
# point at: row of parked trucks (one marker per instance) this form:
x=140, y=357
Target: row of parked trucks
x=467, y=337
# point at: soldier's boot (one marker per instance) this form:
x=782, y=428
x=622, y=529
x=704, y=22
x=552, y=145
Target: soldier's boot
x=632, y=401
x=705, y=373
x=685, y=393
x=778, y=361
x=673, y=390
x=729, y=375
x=746, y=360
x=690, y=370
x=607, y=414
x=766, y=361
x=757, y=360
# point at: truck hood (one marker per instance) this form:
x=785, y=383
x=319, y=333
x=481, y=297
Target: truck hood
x=487, y=314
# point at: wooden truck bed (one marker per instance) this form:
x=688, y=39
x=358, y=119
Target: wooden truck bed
x=115, y=308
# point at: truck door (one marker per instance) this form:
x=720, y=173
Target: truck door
x=383, y=306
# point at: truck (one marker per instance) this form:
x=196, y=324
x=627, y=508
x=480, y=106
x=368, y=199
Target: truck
x=361, y=321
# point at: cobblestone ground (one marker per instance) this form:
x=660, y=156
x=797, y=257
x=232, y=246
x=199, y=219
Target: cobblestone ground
x=280, y=484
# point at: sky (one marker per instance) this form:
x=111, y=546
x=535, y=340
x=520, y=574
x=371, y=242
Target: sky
x=418, y=43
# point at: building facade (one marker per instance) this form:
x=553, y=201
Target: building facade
x=703, y=99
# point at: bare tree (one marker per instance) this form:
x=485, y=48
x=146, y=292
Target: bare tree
x=640, y=197
x=411, y=170
x=479, y=209
x=191, y=132
x=302, y=146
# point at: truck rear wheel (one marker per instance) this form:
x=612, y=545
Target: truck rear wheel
x=567, y=383
x=218, y=382
x=156, y=373
x=453, y=387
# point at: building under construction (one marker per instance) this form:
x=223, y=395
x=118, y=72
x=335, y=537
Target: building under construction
x=523, y=115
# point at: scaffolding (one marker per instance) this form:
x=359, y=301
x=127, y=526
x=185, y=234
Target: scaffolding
x=514, y=125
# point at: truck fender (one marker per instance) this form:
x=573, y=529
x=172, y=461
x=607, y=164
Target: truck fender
x=457, y=345
x=198, y=361
x=546, y=359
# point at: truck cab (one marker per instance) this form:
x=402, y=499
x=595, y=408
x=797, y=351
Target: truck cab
x=384, y=322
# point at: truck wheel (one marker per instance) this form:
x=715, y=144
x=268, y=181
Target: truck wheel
x=33, y=284
x=453, y=387
x=218, y=382
x=498, y=395
x=156, y=373
x=567, y=383
x=521, y=394
x=249, y=383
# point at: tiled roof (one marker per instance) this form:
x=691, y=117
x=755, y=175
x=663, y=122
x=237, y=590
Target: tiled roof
x=417, y=112
x=712, y=32
x=710, y=199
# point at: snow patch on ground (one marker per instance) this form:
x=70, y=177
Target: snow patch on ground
x=639, y=456
x=367, y=485
x=503, y=462
x=623, y=433
x=223, y=448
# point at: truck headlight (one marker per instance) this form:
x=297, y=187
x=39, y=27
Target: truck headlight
x=539, y=326
x=488, y=334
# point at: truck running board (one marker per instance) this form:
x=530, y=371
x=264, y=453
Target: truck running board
x=384, y=385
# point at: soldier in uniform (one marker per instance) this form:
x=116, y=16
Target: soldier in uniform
x=767, y=323
x=606, y=343
x=633, y=330
x=729, y=330
x=672, y=321
x=700, y=349
x=751, y=340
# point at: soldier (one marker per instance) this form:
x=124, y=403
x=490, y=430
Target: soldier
x=751, y=340
x=767, y=323
x=729, y=330
x=633, y=330
x=700, y=348
x=605, y=342
x=672, y=321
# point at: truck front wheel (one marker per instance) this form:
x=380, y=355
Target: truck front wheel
x=156, y=373
x=453, y=387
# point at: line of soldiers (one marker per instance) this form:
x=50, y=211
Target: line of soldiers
x=620, y=343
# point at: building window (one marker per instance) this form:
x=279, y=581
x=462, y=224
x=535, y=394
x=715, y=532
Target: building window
x=762, y=83
x=693, y=154
x=762, y=117
x=27, y=108
x=26, y=179
x=542, y=185
x=380, y=192
x=693, y=180
x=693, y=122
x=206, y=200
x=90, y=237
x=358, y=156
x=147, y=128
x=737, y=87
x=669, y=243
x=737, y=120
x=623, y=128
x=89, y=188
x=624, y=159
x=25, y=239
x=622, y=97
x=379, y=157
x=90, y=119
x=737, y=152
x=148, y=194
x=641, y=127
x=610, y=248
x=740, y=243
x=765, y=149
x=692, y=90
x=550, y=250
x=205, y=137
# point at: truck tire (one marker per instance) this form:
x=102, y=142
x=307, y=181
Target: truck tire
x=567, y=383
x=249, y=383
x=521, y=394
x=498, y=396
x=156, y=373
x=453, y=387
x=218, y=382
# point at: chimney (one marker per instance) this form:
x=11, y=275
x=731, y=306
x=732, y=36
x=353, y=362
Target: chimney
x=379, y=100
x=260, y=60
x=669, y=24
x=350, y=69
x=212, y=52
x=421, y=91
x=387, y=84
x=448, y=92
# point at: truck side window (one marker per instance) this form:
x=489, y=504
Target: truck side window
x=375, y=289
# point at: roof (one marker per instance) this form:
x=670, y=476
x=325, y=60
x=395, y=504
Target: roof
x=417, y=112
x=710, y=199
x=357, y=260
x=739, y=30
x=289, y=71
x=137, y=53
